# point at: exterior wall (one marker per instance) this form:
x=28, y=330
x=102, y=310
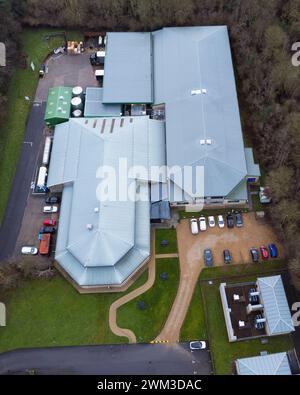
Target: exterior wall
x=226, y=309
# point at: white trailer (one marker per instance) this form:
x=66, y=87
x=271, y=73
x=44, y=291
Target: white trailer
x=41, y=181
x=47, y=148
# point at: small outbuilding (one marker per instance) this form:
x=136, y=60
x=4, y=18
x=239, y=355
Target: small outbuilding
x=58, y=107
x=265, y=365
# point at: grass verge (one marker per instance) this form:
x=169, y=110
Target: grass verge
x=166, y=234
x=147, y=323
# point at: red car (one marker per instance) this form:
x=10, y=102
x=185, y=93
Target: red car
x=264, y=252
x=49, y=222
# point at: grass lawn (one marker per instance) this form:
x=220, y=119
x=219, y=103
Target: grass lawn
x=194, y=326
x=43, y=313
x=257, y=206
x=223, y=352
x=243, y=269
x=23, y=83
x=166, y=234
x=147, y=323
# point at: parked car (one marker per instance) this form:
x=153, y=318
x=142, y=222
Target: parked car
x=239, y=220
x=264, y=252
x=208, y=258
x=49, y=222
x=198, y=345
x=230, y=221
x=273, y=250
x=194, y=226
x=52, y=200
x=227, y=257
x=254, y=254
x=265, y=195
x=202, y=223
x=48, y=229
x=221, y=221
x=50, y=209
x=28, y=250
x=211, y=221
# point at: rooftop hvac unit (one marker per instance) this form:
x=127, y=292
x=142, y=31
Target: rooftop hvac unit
x=254, y=307
x=202, y=142
x=260, y=320
x=196, y=92
x=96, y=209
x=209, y=141
x=256, y=293
x=241, y=324
x=204, y=91
x=89, y=226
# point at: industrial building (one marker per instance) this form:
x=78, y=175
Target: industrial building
x=256, y=309
x=168, y=98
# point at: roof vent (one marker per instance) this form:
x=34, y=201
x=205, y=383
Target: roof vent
x=61, y=98
x=204, y=90
x=59, y=109
x=196, y=92
x=89, y=226
x=209, y=141
x=96, y=209
x=202, y=142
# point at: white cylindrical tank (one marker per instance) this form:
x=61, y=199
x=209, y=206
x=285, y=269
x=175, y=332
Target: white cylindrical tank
x=77, y=91
x=77, y=103
x=77, y=113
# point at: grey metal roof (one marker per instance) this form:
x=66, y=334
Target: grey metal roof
x=197, y=58
x=252, y=168
x=118, y=241
x=276, y=308
x=128, y=68
x=94, y=106
x=240, y=192
x=272, y=364
x=160, y=210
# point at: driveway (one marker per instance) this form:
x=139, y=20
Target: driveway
x=190, y=248
x=21, y=185
x=66, y=70
x=126, y=359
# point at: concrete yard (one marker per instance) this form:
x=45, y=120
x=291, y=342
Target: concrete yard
x=238, y=240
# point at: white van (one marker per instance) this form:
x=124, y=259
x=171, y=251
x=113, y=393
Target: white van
x=194, y=226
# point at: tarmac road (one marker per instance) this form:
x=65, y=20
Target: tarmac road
x=21, y=185
x=126, y=359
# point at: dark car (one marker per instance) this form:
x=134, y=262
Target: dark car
x=254, y=254
x=47, y=229
x=52, y=200
x=239, y=220
x=273, y=250
x=227, y=256
x=230, y=221
x=208, y=257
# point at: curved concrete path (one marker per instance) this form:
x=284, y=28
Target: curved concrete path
x=123, y=332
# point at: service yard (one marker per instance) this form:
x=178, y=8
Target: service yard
x=237, y=240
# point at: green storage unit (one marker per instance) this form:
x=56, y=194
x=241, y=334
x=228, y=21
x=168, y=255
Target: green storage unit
x=58, y=105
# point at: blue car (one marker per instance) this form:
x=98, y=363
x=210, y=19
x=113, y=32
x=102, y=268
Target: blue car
x=273, y=250
x=208, y=257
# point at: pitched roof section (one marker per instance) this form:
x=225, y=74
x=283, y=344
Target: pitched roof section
x=193, y=76
x=273, y=364
x=276, y=308
x=101, y=242
x=128, y=68
x=94, y=106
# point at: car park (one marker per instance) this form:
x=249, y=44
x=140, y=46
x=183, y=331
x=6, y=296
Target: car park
x=230, y=221
x=48, y=229
x=208, y=258
x=221, y=221
x=50, y=209
x=29, y=250
x=198, y=345
x=194, y=226
x=52, y=200
x=211, y=221
x=239, y=220
x=254, y=254
x=264, y=252
x=202, y=223
x=273, y=250
x=227, y=257
x=49, y=222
